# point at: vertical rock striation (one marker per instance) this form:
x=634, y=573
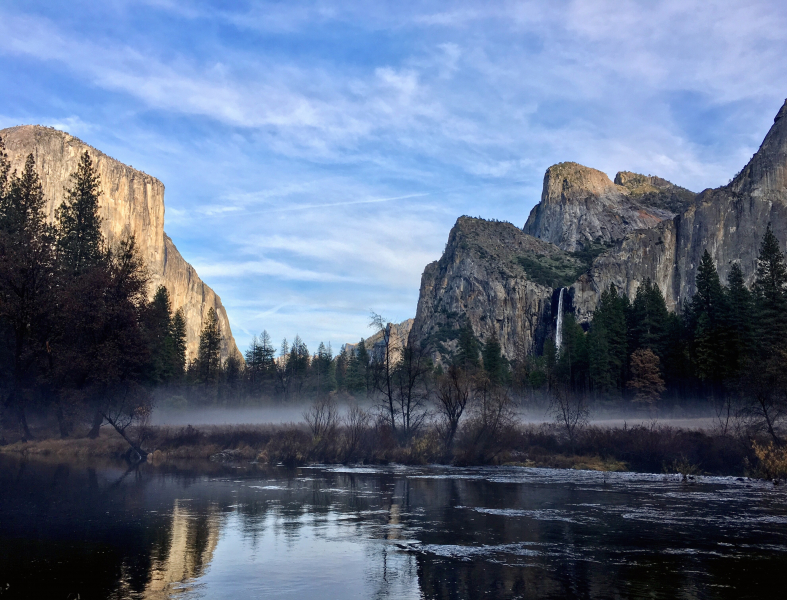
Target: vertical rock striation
x=131, y=202
x=588, y=233
x=728, y=221
x=481, y=279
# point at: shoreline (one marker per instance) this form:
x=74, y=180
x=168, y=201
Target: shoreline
x=636, y=449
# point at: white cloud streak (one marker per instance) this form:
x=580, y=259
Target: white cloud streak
x=348, y=164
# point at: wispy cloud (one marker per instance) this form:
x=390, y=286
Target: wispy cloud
x=316, y=154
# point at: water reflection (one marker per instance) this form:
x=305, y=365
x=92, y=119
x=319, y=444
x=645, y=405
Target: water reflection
x=213, y=531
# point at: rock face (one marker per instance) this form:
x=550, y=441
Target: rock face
x=131, y=202
x=398, y=334
x=482, y=278
x=580, y=205
x=587, y=233
x=728, y=221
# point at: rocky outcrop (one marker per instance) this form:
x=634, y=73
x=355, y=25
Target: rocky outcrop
x=491, y=274
x=131, y=202
x=588, y=233
x=581, y=206
x=398, y=334
x=728, y=221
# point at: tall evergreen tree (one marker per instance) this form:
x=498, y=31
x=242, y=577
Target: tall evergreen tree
x=178, y=344
x=648, y=320
x=468, y=348
x=209, y=356
x=78, y=222
x=158, y=326
x=738, y=319
x=707, y=314
x=770, y=295
x=26, y=267
x=494, y=363
x=609, y=338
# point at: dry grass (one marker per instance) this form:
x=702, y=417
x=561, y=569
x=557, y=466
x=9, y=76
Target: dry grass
x=644, y=449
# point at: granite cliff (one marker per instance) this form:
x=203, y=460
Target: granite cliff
x=728, y=221
x=131, y=202
x=580, y=205
x=588, y=232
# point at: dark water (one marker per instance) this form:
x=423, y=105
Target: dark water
x=220, y=531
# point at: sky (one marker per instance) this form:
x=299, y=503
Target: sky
x=316, y=154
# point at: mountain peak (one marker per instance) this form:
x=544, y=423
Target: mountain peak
x=766, y=172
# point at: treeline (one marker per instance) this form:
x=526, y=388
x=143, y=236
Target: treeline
x=80, y=340
x=727, y=344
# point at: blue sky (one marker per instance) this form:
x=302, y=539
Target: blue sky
x=316, y=154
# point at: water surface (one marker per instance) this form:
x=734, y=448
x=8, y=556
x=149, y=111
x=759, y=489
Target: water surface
x=247, y=531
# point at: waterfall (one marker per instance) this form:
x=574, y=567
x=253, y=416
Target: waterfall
x=559, y=331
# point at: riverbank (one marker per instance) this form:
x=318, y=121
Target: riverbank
x=651, y=449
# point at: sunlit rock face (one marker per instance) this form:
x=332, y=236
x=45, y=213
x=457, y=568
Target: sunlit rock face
x=131, y=202
x=588, y=233
x=397, y=333
x=580, y=205
x=480, y=279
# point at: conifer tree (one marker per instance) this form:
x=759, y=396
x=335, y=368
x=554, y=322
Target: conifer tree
x=26, y=266
x=178, y=344
x=468, y=348
x=78, y=222
x=610, y=338
x=494, y=363
x=707, y=314
x=648, y=322
x=361, y=369
x=770, y=295
x=158, y=325
x=600, y=362
x=209, y=354
x=738, y=319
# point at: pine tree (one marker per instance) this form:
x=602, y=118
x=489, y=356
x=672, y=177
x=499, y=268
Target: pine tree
x=468, y=348
x=158, y=325
x=601, y=374
x=770, y=295
x=341, y=369
x=209, y=354
x=494, y=363
x=362, y=365
x=26, y=268
x=178, y=344
x=79, y=225
x=648, y=320
x=738, y=319
x=609, y=370
x=267, y=356
x=707, y=313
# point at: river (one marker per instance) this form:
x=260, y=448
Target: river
x=216, y=531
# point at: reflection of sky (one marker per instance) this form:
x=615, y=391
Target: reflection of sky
x=316, y=154
x=324, y=558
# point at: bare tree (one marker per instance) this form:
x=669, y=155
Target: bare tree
x=129, y=405
x=322, y=418
x=569, y=410
x=384, y=362
x=412, y=388
x=356, y=424
x=454, y=389
x=491, y=417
